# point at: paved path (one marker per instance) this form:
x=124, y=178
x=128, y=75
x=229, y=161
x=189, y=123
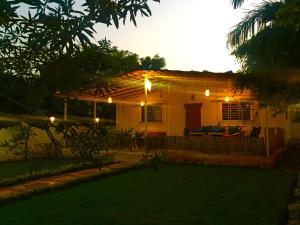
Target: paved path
x=125, y=160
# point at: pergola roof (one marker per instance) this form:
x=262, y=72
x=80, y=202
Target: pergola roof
x=132, y=83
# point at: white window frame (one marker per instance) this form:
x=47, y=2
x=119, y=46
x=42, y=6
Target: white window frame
x=236, y=111
x=152, y=117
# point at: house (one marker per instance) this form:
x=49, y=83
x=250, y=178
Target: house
x=182, y=103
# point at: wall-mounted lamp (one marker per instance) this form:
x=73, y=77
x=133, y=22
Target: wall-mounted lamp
x=109, y=100
x=52, y=119
x=206, y=93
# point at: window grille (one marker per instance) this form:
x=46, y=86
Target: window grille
x=236, y=111
x=295, y=114
x=154, y=113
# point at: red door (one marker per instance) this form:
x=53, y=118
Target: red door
x=193, y=116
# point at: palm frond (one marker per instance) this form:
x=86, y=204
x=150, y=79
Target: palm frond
x=256, y=20
x=237, y=3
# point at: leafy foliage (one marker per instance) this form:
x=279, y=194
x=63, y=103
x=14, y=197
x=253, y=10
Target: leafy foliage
x=237, y=3
x=18, y=144
x=289, y=15
x=125, y=139
x=47, y=46
x=255, y=21
x=154, y=63
x=52, y=30
x=89, y=64
x=85, y=139
x=85, y=143
x=60, y=24
x=266, y=44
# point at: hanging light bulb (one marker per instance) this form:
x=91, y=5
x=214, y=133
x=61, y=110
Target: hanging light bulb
x=97, y=120
x=206, y=93
x=142, y=103
x=226, y=99
x=109, y=100
x=148, y=84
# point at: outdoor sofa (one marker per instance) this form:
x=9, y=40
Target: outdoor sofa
x=214, y=131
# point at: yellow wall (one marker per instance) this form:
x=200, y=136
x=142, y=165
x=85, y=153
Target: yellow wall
x=292, y=128
x=128, y=113
x=40, y=137
x=173, y=100
x=294, y=131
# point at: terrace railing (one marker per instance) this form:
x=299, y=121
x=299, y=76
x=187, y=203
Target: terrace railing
x=209, y=145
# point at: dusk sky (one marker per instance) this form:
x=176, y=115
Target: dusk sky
x=190, y=35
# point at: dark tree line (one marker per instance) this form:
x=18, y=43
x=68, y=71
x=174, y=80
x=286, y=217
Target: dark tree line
x=267, y=45
x=48, y=46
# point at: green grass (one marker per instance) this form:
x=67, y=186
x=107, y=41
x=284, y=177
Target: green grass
x=175, y=195
x=13, y=169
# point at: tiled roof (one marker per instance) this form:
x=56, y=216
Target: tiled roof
x=132, y=83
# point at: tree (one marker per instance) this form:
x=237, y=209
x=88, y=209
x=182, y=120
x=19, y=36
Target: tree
x=50, y=46
x=89, y=64
x=237, y=3
x=94, y=63
x=52, y=28
x=266, y=44
x=289, y=16
x=154, y=63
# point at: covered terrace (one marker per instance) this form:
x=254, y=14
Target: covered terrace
x=138, y=94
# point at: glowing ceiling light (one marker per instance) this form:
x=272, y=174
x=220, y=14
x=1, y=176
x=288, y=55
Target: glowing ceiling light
x=97, y=120
x=109, y=100
x=226, y=99
x=148, y=84
x=142, y=103
x=206, y=93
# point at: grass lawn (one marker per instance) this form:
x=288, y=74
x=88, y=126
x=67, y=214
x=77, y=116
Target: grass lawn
x=12, y=169
x=175, y=195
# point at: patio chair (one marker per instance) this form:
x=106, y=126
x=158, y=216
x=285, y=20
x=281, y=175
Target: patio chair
x=255, y=131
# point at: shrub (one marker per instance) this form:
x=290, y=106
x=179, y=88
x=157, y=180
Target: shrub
x=294, y=211
x=18, y=144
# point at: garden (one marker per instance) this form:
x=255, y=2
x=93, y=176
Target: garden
x=170, y=194
x=33, y=149
x=50, y=47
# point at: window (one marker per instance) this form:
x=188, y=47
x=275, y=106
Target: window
x=295, y=114
x=154, y=113
x=236, y=111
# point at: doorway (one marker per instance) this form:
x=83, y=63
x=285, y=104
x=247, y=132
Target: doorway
x=193, y=115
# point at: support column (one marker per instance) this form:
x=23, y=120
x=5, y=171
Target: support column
x=267, y=132
x=65, y=108
x=95, y=111
x=145, y=115
x=169, y=112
